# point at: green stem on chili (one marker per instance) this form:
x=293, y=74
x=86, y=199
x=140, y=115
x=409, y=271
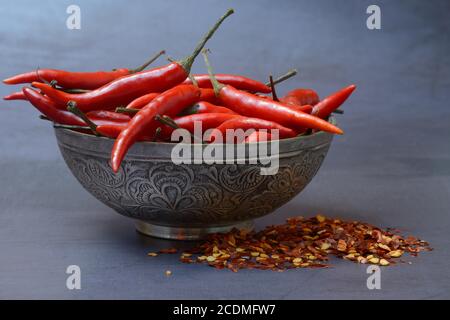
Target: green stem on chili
x=284, y=77
x=272, y=86
x=74, y=90
x=127, y=110
x=187, y=62
x=168, y=121
x=149, y=62
x=192, y=78
x=66, y=126
x=216, y=84
x=72, y=107
x=157, y=133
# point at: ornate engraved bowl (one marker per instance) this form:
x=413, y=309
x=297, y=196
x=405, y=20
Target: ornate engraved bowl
x=188, y=201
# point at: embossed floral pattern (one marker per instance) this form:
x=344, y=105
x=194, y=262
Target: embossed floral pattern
x=193, y=195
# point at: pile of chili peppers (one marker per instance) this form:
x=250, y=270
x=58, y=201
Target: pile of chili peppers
x=302, y=243
x=131, y=105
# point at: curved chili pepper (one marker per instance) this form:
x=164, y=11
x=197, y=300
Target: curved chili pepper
x=325, y=107
x=47, y=107
x=248, y=105
x=301, y=97
x=108, y=115
x=142, y=101
x=246, y=123
x=125, y=89
x=205, y=107
x=239, y=82
x=251, y=105
x=120, y=91
x=79, y=80
x=170, y=103
x=15, y=96
x=258, y=136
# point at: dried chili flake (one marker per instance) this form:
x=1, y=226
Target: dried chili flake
x=302, y=243
x=168, y=250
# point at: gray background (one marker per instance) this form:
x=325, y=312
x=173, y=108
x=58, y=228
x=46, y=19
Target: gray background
x=391, y=168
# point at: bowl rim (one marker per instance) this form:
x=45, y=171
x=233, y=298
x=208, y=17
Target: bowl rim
x=331, y=120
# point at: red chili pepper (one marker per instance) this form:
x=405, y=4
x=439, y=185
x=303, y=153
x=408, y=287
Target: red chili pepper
x=121, y=91
x=205, y=107
x=258, y=136
x=170, y=103
x=325, y=107
x=47, y=107
x=209, y=95
x=301, y=97
x=108, y=115
x=251, y=105
x=306, y=108
x=125, y=89
x=246, y=123
x=207, y=120
x=239, y=82
x=15, y=96
x=142, y=101
x=79, y=80
x=112, y=130
x=291, y=104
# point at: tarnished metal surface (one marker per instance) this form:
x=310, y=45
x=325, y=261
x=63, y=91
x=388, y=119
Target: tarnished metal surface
x=151, y=188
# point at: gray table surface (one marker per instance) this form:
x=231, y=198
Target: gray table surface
x=392, y=168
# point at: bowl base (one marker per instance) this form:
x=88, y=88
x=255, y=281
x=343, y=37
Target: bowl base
x=175, y=233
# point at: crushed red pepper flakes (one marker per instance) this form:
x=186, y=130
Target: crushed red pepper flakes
x=168, y=250
x=303, y=243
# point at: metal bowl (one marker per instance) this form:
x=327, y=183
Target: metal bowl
x=188, y=201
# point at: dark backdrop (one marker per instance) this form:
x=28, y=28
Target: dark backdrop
x=391, y=168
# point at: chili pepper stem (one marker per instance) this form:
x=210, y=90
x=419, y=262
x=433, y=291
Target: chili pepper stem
x=148, y=62
x=127, y=110
x=73, y=90
x=66, y=126
x=194, y=81
x=157, y=133
x=164, y=121
x=168, y=121
x=216, y=85
x=187, y=62
x=72, y=107
x=272, y=86
x=170, y=59
x=284, y=77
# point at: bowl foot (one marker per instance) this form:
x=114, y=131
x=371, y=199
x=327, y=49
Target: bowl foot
x=175, y=233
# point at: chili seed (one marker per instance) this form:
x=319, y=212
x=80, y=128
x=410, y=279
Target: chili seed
x=302, y=243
